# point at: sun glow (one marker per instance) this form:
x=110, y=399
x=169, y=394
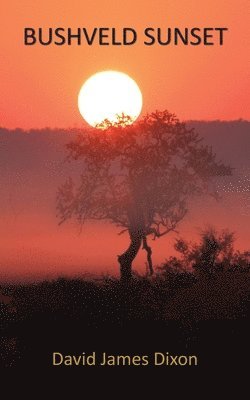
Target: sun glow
x=108, y=94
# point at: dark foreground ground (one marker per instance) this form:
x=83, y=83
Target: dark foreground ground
x=181, y=315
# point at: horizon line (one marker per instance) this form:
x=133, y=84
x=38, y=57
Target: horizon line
x=70, y=128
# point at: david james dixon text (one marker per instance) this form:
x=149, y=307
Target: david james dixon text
x=103, y=36
x=109, y=360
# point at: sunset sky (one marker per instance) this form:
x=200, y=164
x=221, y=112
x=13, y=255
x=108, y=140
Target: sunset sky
x=40, y=84
x=39, y=88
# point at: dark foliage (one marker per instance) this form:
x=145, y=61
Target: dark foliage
x=214, y=253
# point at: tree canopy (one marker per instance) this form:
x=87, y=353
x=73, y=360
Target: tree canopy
x=139, y=177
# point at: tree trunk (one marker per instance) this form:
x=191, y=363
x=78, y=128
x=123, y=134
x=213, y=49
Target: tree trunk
x=129, y=255
x=149, y=255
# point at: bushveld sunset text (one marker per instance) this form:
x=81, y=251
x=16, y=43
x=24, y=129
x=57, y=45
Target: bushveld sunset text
x=124, y=37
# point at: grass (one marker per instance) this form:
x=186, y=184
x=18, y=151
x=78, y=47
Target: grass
x=51, y=312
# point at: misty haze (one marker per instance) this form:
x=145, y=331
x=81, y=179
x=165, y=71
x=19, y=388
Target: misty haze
x=33, y=164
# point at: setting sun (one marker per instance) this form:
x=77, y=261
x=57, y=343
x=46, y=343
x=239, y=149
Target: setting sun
x=108, y=94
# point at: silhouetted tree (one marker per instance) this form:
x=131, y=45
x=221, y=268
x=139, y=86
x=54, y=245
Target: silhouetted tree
x=214, y=252
x=139, y=177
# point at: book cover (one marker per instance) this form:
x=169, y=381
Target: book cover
x=124, y=159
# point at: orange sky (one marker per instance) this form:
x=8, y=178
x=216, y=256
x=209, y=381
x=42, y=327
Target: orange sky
x=39, y=85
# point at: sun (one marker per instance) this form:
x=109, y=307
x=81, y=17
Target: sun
x=107, y=94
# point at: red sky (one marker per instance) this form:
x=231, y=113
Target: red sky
x=40, y=84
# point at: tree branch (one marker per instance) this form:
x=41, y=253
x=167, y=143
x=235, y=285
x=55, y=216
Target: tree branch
x=149, y=254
